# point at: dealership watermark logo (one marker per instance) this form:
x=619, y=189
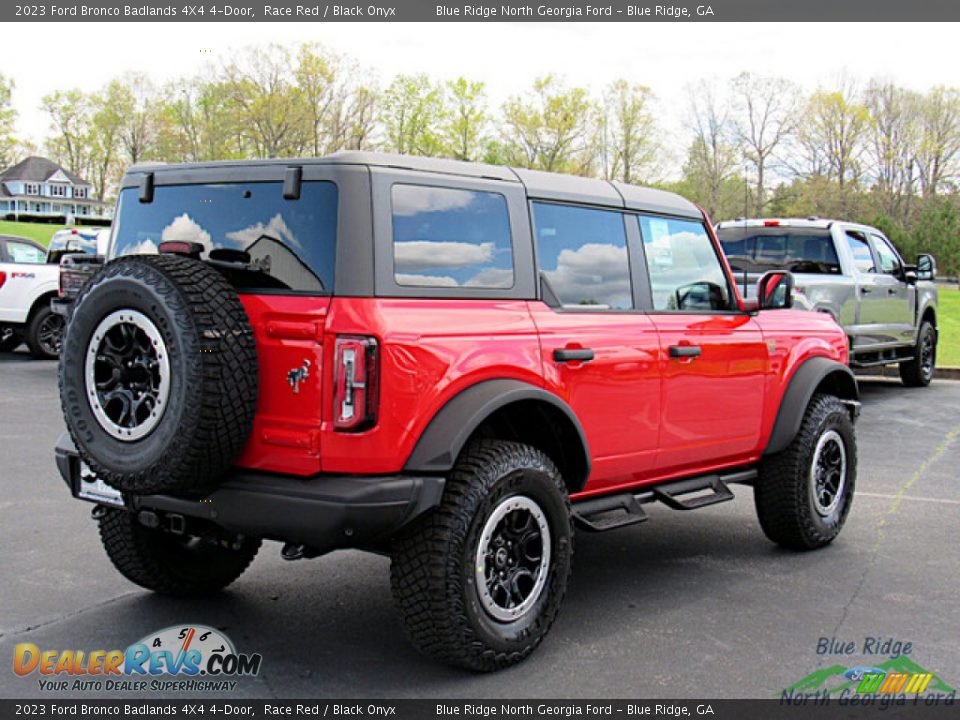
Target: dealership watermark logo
x=193, y=658
x=886, y=675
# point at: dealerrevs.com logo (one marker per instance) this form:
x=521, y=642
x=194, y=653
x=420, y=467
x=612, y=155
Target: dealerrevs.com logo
x=193, y=658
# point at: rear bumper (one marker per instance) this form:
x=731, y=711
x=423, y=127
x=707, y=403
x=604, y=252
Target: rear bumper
x=61, y=306
x=322, y=512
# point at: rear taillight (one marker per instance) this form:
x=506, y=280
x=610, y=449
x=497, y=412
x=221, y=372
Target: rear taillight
x=356, y=383
x=3, y=278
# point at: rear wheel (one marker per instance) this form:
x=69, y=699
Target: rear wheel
x=479, y=581
x=804, y=493
x=45, y=334
x=919, y=371
x=183, y=565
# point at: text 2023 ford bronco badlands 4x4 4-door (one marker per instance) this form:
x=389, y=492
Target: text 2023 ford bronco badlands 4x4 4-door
x=447, y=362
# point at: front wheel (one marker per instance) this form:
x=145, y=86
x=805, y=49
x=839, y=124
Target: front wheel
x=479, y=581
x=804, y=493
x=919, y=371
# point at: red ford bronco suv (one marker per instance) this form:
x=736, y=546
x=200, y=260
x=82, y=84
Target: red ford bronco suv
x=447, y=362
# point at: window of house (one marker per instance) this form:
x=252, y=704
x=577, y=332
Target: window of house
x=860, y=248
x=685, y=271
x=447, y=237
x=58, y=190
x=583, y=253
x=32, y=189
x=79, y=192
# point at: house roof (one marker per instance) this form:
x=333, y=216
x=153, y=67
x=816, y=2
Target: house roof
x=38, y=169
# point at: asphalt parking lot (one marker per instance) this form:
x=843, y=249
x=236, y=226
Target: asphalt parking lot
x=687, y=605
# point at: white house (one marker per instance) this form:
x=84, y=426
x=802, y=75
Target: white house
x=38, y=186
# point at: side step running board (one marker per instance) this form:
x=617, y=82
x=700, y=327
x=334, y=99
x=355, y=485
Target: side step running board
x=616, y=511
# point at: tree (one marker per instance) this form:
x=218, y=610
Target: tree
x=316, y=79
x=8, y=119
x=412, y=113
x=631, y=143
x=103, y=137
x=709, y=174
x=69, y=113
x=940, y=139
x=833, y=134
x=549, y=128
x=766, y=115
x=893, y=145
x=271, y=114
x=465, y=119
x=134, y=98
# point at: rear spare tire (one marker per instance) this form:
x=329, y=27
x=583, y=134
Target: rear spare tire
x=158, y=375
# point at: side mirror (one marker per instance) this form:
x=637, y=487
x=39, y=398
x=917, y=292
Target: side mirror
x=775, y=290
x=926, y=267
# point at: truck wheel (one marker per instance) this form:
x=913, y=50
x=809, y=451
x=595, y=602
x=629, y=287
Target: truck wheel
x=919, y=371
x=804, y=493
x=10, y=340
x=169, y=564
x=158, y=376
x=479, y=580
x=45, y=333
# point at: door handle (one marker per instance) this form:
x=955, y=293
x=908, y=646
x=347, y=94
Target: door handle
x=685, y=351
x=864, y=290
x=573, y=355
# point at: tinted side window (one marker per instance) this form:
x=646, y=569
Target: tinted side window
x=287, y=245
x=862, y=257
x=889, y=261
x=583, y=253
x=685, y=272
x=445, y=237
x=19, y=252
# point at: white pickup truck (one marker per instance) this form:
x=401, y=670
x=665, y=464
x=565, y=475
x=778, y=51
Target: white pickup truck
x=27, y=283
x=30, y=279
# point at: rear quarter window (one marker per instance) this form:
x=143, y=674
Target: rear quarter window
x=450, y=237
x=290, y=245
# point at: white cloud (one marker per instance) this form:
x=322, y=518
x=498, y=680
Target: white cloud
x=413, y=199
x=426, y=254
x=491, y=278
x=426, y=280
x=184, y=228
x=146, y=247
x=596, y=272
x=276, y=228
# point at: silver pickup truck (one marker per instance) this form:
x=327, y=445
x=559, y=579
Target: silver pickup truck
x=888, y=308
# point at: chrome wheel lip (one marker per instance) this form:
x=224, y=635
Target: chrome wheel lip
x=825, y=498
x=141, y=321
x=516, y=503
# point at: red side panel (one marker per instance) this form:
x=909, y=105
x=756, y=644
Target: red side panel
x=430, y=350
x=287, y=428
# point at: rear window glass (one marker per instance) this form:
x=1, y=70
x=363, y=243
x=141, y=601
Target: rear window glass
x=290, y=245
x=446, y=237
x=760, y=250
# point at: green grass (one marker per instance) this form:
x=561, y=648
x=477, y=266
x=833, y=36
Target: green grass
x=40, y=232
x=948, y=321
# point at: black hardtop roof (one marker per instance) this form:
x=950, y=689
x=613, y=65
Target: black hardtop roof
x=538, y=184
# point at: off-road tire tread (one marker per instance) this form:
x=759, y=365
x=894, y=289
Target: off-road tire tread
x=218, y=418
x=129, y=547
x=780, y=493
x=910, y=373
x=431, y=550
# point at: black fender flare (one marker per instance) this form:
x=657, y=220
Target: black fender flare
x=805, y=381
x=444, y=437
